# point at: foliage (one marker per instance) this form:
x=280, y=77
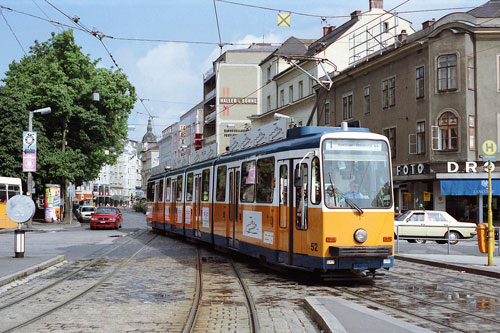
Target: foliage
x=140, y=206
x=59, y=75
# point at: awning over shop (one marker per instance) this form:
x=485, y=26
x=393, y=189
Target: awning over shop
x=469, y=187
x=118, y=198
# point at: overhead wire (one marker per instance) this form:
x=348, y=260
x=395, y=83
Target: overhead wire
x=218, y=27
x=13, y=33
x=40, y=8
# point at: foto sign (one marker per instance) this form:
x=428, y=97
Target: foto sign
x=489, y=149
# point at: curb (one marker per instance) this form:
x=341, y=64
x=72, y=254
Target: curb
x=323, y=317
x=31, y=270
x=467, y=269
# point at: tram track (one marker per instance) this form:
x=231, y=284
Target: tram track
x=91, y=263
x=79, y=294
x=215, y=290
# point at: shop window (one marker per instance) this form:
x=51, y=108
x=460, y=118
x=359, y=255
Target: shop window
x=247, y=190
x=205, y=184
x=265, y=179
x=189, y=186
x=419, y=84
x=447, y=73
x=445, y=134
x=221, y=183
x=315, y=182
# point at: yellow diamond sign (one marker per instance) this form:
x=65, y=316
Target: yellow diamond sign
x=284, y=19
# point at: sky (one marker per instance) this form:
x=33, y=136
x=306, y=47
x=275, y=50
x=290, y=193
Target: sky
x=168, y=71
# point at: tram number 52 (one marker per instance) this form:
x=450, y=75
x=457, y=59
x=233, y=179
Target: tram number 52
x=314, y=247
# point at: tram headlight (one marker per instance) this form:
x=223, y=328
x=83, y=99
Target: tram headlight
x=360, y=235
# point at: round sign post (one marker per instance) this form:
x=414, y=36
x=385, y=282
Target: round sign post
x=20, y=208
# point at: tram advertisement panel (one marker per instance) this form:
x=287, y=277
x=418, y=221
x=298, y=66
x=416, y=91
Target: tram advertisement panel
x=52, y=203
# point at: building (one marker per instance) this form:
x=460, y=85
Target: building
x=429, y=94
x=149, y=155
x=125, y=175
x=291, y=71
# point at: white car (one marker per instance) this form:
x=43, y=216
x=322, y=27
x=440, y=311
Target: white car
x=421, y=224
x=85, y=213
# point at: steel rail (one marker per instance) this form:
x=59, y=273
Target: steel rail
x=252, y=310
x=193, y=314
x=66, y=277
x=86, y=291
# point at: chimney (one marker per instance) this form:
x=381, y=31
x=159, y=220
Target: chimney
x=355, y=13
x=428, y=23
x=376, y=4
x=402, y=36
x=327, y=30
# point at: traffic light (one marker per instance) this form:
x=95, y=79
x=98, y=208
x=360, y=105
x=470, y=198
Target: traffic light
x=197, y=141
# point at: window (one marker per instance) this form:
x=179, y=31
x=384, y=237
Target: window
x=447, y=73
x=386, y=27
x=301, y=201
x=282, y=97
x=205, y=184
x=421, y=137
x=347, y=106
x=470, y=73
x=390, y=133
x=327, y=112
x=447, y=132
x=221, y=183
x=168, y=190
x=366, y=100
x=311, y=85
x=268, y=103
x=315, y=181
x=498, y=72
x=189, y=187
x=419, y=84
x=265, y=179
x=301, y=89
x=472, y=133
x=290, y=94
x=283, y=195
x=160, y=191
x=151, y=192
x=389, y=93
x=247, y=190
x=179, y=188
x=7, y=191
x=269, y=73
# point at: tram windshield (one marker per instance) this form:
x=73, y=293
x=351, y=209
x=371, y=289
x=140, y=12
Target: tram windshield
x=356, y=174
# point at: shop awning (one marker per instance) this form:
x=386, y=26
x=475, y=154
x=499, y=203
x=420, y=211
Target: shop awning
x=469, y=187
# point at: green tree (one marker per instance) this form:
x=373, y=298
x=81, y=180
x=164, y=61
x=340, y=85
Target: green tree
x=74, y=138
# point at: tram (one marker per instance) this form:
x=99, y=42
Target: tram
x=9, y=187
x=319, y=199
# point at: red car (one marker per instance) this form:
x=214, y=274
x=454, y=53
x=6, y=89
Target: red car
x=106, y=217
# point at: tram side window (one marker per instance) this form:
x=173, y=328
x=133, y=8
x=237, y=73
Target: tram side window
x=220, y=194
x=179, y=188
x=168, y=190
x=151, y=192
x=301, y=200
x=247, y=190
x=315, y=182
x=189, y=187
x=160, y=191
x=265, y=179
x=205, y=184
x=3, y=193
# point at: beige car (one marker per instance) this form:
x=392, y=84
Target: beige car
x=418, y=225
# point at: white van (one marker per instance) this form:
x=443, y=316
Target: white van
x=85, y=213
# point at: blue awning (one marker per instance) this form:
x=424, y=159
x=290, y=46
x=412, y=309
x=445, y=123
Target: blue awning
x=469, y=187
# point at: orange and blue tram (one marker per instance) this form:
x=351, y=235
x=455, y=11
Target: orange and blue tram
x=320, y=200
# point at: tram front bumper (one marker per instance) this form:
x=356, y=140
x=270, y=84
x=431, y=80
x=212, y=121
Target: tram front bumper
x=360, y=251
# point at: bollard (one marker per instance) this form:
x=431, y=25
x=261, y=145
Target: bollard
x=19, y=243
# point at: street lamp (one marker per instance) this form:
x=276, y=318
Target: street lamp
x=30, y=177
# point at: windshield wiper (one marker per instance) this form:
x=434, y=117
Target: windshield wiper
x=352, y=204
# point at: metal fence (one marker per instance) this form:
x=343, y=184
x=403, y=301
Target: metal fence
x=444, y=239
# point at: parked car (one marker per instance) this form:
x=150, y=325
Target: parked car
x=106, y=217
x=422, y=224
x=84, y=213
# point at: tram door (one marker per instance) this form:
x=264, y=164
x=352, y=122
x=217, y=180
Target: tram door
x=234, y=190
x=197, y=205
x=285, y=212
x=300, y=215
